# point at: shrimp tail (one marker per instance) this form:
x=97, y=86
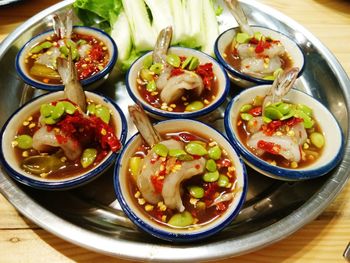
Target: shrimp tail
x=241, y=18
x=162, y=45
x=72, y=87
x=144, y=125
x=63, y=24
x=281, y=86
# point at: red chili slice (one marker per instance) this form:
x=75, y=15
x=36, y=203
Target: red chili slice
x=269, y=147
x=157, y=184
x=260, y=46
x=257, y=111
x=176, y=72
x=207, y=74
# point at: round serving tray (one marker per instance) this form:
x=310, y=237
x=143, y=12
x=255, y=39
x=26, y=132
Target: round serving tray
x=91, y=217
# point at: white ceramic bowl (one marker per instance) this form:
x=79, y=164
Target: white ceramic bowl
x=244, y=80
x=171, y=234
x=334, y=140
x=219, y=72
x=88, y=83
x=10, y=128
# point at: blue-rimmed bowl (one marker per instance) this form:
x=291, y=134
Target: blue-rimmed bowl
x=10, y=128
x=332, y=151
x=245, y=80
x=223, y=85
x=139, y=218
x=89, y=83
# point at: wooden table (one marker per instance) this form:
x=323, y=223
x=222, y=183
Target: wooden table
x=322, y=240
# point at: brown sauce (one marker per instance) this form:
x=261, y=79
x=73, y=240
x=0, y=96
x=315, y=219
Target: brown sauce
x=202, y=216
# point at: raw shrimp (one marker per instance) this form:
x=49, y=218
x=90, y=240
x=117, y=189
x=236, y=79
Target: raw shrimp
x=284, y=139
x=151, y=165
x=173, y=87
x=259, y=57
x=43, y=140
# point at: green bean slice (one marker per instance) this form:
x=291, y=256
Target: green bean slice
x=36, y=49
x=195, y=148
x=146, y=74
x=242, y=38
x=223, y=181
x=151, y=86
x=46, y=44
x=210, y=177
x=180, y=154
x=194, y=106
x=24, y=141
x=307, y=110
x=215, y=152
x=103, y=113
x=157, y=68
x=58, y=111
x=317, y=139
x=246, y=116
x=88, y=157
x=284, y=108
x=46, y=110
x=196, y=191
x=211, y=165
x=258, y=101
x=186, y=62
x=91, y=109
x=272, y=113
x=161, y=150
x=246, y=108
x=64, y=50
x=69, y=107
x=194, y=63
x=50, y=120
x=183, y=219
x=174, y=60
x=135, y=166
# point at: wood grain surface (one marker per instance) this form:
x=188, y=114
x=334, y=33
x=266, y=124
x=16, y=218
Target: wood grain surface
x=322, y=240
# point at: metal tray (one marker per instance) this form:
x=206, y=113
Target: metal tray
x=91, y=217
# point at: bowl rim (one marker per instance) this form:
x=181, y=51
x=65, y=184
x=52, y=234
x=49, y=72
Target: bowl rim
x=246, y=77
x=56, y=87
x=67, y=183
x=168, y=235
x=180, y=115
x=278, y=172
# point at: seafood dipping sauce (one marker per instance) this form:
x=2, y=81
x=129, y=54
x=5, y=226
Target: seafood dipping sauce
x=205, y=191
x=285, y=135
x=187, y=76
x=59, y=142
x=257, y=56
x=89, y=54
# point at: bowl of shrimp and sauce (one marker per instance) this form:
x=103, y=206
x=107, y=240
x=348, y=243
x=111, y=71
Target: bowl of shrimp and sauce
x=177, y=82
x=257, y=59
x=93, y=51
x=255, y=55
x=179, y=180
x=283, y=132
x=62, y=139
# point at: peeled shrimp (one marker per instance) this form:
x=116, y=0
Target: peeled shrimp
x=172, y=182
x=44, y=140
x=173, y=87
x=258, y=67
x=176, y=86
x=150, y=166
x=248, y=51
x=288, y=147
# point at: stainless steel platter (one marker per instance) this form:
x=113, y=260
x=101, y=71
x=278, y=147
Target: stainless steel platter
x=91, y=217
